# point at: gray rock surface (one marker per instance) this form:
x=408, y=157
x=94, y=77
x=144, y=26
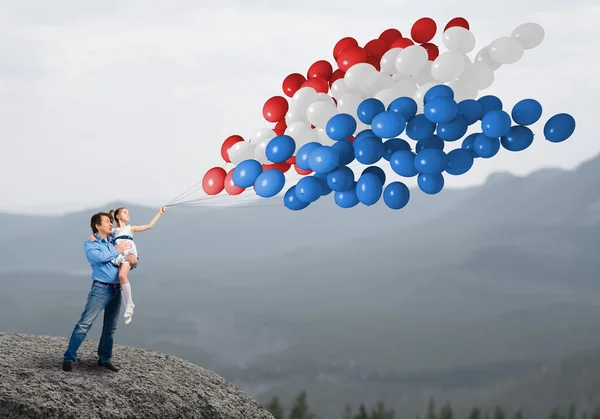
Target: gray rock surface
x=149, y=385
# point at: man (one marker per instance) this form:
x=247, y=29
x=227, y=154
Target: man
x=104, y=295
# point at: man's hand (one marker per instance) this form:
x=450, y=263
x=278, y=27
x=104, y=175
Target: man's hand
x=132, y=259
x=123, y=246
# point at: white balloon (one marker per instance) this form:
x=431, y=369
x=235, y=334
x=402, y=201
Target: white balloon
x=388, y=61
x=302, y=133
x=462, y=91
x=323, y=138
x=405, y=88
x=448, y=66
x=384, y=81
x=263, y=133
x=424, y=76
x=240, y=151
x=320, y=112
x=420, y=94
x=302, y=98
x=324, y=97
x=506, y=50
x=260, y=150
x=530, y=35
x=349, y=104
x=295, y=115
x=459, y=40
x=339, y=88
x=483, y=57
x=477, y=76
x=360, y=77
x=411, y=60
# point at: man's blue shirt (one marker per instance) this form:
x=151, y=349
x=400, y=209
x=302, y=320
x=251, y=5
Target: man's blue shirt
x=100, y=254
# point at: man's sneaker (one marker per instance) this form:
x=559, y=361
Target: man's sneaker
x=108, y=365
x=67, y=366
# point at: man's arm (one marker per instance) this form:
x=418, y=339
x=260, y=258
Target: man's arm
x=99, y=254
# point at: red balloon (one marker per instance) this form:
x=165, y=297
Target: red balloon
x=280, y=127
x=342, y=44
x=337, y=74
x=230, y=187
x=402, y=43
x=282, y=167
x=376, y=48
x=390, y=35
x=351, y=138
x=457, y=21
x=423, y=30
x=374, y=62
x=292, y=83
x=321, y=68
x=227, y=144
x=302, y=171
x=432, y=50
x=351, y=56
x=317, y=83
x=275, y=108
x=291, y=160
x=214, y=181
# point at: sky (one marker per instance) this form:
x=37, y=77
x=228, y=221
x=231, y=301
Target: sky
x=131, y=100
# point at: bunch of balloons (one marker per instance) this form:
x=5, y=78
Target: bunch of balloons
x=392, y=85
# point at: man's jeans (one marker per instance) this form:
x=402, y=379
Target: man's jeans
x=101, y=297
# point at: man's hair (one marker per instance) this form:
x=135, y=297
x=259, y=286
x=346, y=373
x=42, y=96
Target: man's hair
x=97, y=220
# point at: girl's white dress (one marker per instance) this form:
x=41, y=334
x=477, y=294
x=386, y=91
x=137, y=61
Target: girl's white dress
x=121, y=234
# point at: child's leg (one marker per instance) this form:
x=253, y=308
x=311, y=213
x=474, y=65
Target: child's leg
x=125, y=286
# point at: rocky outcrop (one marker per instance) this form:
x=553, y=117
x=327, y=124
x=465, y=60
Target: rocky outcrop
x=149, y=384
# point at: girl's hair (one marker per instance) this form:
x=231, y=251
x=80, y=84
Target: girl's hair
x=112, y=214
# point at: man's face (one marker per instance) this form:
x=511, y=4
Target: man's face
x=105, y=227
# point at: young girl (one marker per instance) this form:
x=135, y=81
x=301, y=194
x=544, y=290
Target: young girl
x=124, y=231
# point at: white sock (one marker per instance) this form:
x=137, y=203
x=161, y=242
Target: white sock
x=127, y=294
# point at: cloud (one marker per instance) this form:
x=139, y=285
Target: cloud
x=122, y=100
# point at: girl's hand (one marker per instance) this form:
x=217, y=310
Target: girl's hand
x=162, y=209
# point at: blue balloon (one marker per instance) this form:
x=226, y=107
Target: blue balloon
x=396, y=195
x=460, y=162
x=369, y=188
x=467, y=143
x=291, y=201
x=420, y=128
x=244, y=174
x=526, y=112
x=403, y=163
x=441, y=109
x=345, y=149
x=280, y=148
x=269, y=183
x=308, y=189
x=369, y=150
x=322, y=177
x=431, y=161
x=304, y=152
x=323, y=159
x=495, y=124
x=485, y=146
x=441, y=90
x=340, y=126
x=340, y=179
x=431, y=184
x=347, y=198
x=453, y=130
x=368, y=108
x=388, y=124
x=432, y=142
x=376, y=170
x=406, y=106
x=518, y=138
x=471, y=110
x=364, y=134
x=560, y=127
x=392, y=145
x=489, y=103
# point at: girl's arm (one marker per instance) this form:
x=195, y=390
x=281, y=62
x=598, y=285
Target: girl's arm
x=138, y=229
